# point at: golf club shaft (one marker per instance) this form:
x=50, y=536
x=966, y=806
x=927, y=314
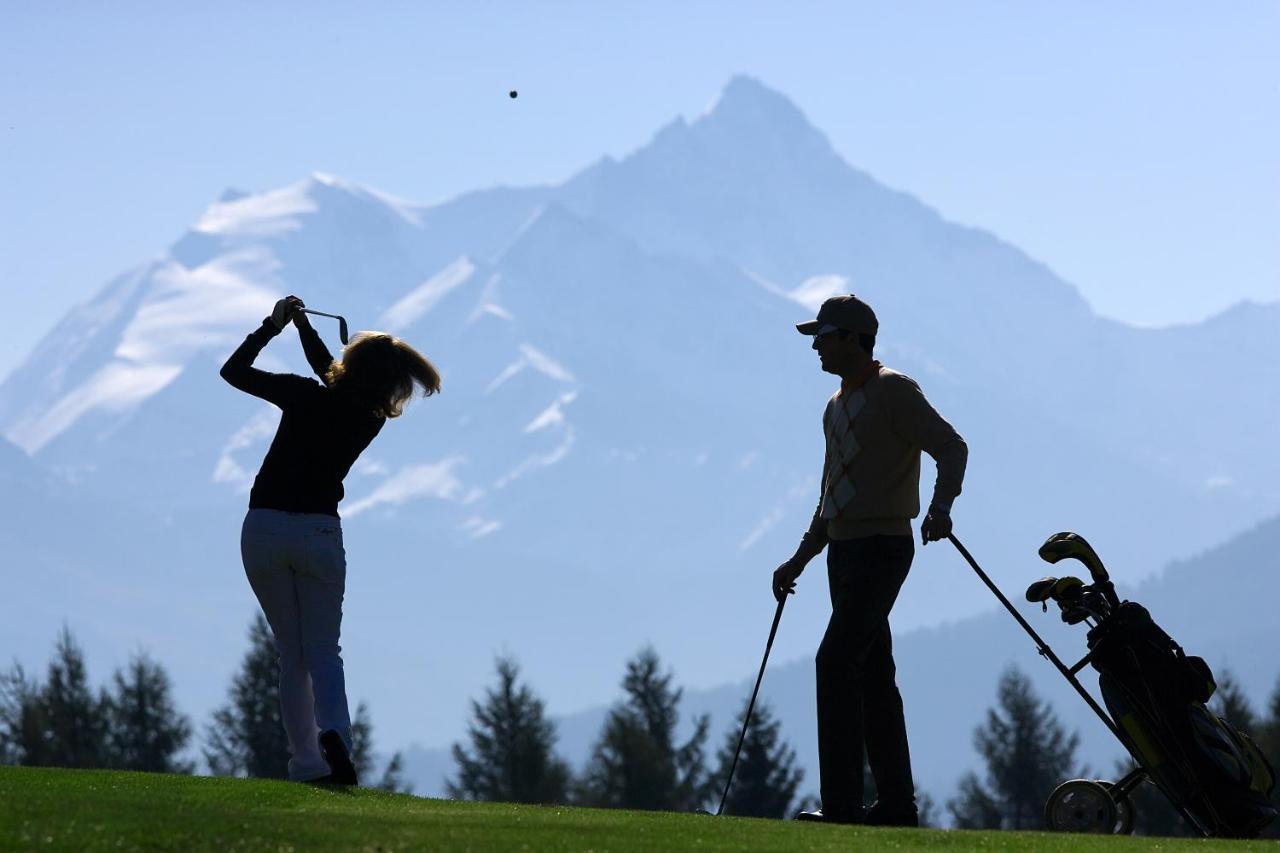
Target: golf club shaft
x=342, y=322
x=773, y=631
x=1041, y=646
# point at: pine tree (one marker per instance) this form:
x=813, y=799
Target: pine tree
x=21, y=718
x=636, y=763
x=364, y=758
x=928, y=811
x=10, y=717
x=974, y=807
x=393, y=776
x=362, y=741
x=512, y=742
x=74, y=730
x=246, y=736
x=145, y=730
x=766, y=779
x=1027, y=752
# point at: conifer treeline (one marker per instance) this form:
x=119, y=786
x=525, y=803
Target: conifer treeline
x=63, y=723
x=637, y=760
x=135, y=725
x=638, y=763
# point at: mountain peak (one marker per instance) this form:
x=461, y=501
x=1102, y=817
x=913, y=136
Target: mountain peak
x=319, y=182
x=743, y=89
x=257, y=214
x=749, y=130
x=747, y=105
x=277, y=211
x=322, y=185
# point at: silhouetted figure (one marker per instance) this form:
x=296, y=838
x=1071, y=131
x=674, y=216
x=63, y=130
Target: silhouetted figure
x=291, y=542
x=875, y=426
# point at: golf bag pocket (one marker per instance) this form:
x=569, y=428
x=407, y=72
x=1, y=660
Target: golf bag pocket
x=1216, y=749
x=1236, y=776
x=1262, y=776
x=1197, y=680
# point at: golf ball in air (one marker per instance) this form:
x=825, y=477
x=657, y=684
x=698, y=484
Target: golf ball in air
x=513, y=93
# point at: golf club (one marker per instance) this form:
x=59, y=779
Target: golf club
x=342, y=322
x=773, y=630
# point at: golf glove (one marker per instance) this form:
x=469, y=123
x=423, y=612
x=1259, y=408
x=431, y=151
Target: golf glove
x=280, y=313
x=284, y=310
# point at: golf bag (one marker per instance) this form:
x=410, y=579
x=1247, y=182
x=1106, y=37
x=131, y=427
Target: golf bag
x=1155, y=694
x=1215, y=776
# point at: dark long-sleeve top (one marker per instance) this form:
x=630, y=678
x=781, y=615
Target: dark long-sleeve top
x=321, y=434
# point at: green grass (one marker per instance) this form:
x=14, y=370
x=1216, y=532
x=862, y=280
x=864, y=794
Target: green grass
x=50, y=809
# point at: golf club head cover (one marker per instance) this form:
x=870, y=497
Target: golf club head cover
x=1068, y=544
x=1067, y=589
x=1039, y=591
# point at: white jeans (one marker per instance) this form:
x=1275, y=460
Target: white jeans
x=298, y=570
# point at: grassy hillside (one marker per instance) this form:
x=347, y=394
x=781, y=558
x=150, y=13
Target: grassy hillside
x=99, y=810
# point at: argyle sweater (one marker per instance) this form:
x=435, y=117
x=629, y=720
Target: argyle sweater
x=871, y=473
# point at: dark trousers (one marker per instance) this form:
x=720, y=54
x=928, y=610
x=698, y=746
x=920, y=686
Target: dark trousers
x=858, y=699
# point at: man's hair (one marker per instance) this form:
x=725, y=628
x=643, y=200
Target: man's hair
x=384, y=370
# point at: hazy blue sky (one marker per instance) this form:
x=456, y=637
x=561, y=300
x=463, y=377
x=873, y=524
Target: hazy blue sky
x=1132, y=147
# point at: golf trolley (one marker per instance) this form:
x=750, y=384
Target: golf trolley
x=1215, y=776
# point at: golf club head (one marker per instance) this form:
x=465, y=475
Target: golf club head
x=1075, y=614
x=704, y=811
x=1097, y=603
x=342, y=322
x=1073, y=545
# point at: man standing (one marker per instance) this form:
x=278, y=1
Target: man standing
x=875, y=426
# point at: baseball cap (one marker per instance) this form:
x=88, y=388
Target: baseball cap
x=843, y=312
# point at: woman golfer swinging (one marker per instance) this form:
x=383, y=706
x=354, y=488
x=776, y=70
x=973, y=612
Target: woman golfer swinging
x=291, y=541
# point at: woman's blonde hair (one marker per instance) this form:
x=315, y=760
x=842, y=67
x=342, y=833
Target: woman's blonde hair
x=383, y=369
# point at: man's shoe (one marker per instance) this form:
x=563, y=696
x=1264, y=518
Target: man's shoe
x=338, y=758
x=818, y=816
x=885, y=815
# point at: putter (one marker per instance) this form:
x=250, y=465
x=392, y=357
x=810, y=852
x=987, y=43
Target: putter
x=777, y=617
x=342, y=323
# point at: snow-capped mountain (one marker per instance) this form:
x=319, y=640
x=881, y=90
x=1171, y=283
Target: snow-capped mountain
x=628, y=440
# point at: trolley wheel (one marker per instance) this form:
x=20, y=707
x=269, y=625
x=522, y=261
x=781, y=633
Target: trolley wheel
x=1080, y=805
x=1125, y=811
